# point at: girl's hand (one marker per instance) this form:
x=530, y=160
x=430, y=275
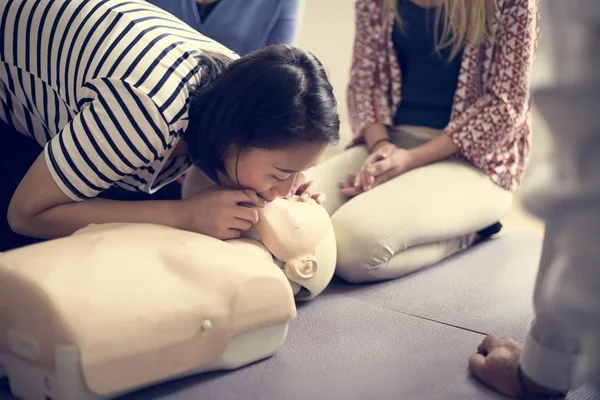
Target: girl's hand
x=222, y=214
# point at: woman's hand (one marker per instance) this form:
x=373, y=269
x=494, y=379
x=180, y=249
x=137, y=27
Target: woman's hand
x=365, y=179
x=496, y=364
x=385, y=168
x=384, y=163
x=223, y=214
x=304, y=190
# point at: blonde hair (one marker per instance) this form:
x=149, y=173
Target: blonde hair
x=463, y=21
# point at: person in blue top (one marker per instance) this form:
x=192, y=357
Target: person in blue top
x=241, y=25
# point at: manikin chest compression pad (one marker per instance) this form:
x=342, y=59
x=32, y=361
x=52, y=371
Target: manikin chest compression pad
x=133, y=298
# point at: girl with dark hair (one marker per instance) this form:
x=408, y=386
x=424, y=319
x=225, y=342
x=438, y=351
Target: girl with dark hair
x=106, y=104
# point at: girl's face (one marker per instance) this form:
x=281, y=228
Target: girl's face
x=270, y=173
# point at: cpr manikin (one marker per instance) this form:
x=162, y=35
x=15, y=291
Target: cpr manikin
x=118, y=307
x=296, y=232
x=298, y=235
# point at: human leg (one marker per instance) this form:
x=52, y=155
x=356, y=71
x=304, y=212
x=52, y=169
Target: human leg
x=329, y=173
x=415, y=220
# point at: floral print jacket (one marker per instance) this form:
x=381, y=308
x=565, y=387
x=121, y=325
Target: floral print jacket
x=490, y=118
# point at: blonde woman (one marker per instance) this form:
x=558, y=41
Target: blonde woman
x=439, y=106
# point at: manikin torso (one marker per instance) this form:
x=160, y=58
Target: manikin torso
x=167, y=300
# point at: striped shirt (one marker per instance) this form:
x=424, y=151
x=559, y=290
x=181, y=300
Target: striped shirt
x=103, y=86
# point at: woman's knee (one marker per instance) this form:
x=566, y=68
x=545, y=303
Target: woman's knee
x=329, y=173
x=367, y=254
x=360, y=255
x=362, y=261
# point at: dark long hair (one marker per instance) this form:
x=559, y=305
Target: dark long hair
x=273, y=98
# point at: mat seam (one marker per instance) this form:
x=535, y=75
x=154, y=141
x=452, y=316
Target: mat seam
x=423, y=318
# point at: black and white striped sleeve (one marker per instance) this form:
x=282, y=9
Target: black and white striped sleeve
x=118, y=130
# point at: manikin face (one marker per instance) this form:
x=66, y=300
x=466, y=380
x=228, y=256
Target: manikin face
x=270, y=173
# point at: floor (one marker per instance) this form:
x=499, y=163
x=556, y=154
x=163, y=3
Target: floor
x=327, y=30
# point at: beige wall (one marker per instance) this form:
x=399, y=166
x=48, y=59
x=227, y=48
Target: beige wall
x=327, y=29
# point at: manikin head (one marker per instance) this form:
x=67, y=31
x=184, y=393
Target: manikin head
x=299, y=235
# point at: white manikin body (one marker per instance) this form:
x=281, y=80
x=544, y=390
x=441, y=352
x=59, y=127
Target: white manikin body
x=118, y=307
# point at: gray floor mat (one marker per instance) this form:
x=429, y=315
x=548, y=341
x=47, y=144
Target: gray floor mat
x=355, y=341
x=348, y=350
x=486, y=289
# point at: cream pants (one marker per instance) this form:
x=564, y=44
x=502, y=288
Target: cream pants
x=411, y=221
